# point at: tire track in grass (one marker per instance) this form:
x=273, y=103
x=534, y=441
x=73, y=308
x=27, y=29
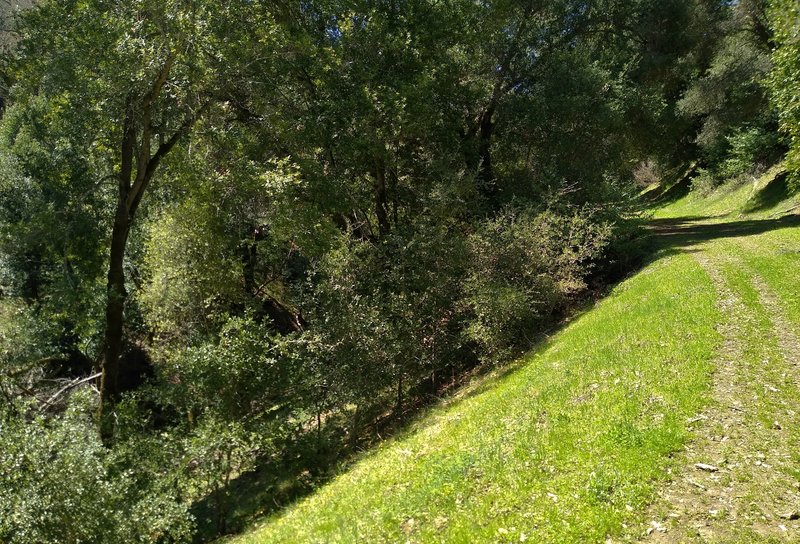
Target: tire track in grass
x=787, y=340
x=683, y=504
x=738, y=480
x=785, y=329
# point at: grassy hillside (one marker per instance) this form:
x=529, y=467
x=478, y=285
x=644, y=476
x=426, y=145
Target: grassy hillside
x=566, y=448
x=569, y=447
x=581, y=441
x=749, y=197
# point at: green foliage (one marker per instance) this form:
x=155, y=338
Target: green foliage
x=785, y=79
x=60, y=484
x=704, y=182
x=390, y=312
x=750, y=150
x=372, y=198
x=51, y=225
x=730, y=91
x=729, y=99
x=191, y=279
x=23, y=338
x=524, y=267
x=255, y=232
x=218, y=452
x=247, y=373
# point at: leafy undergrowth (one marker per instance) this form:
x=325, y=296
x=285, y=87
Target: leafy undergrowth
x=568, y=448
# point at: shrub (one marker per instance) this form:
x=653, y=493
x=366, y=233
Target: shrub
x=59, y=484
x=704, y=182
x=247, y=370
x=389, y=313
x=524, y=266
x=750, y=150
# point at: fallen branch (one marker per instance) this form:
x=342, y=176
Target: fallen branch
x=70, y=386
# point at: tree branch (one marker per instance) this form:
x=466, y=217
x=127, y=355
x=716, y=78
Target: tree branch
x=69, y=386
x=143, y=178
x=159, y=82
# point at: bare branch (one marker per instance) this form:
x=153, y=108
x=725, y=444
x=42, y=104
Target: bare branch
x=69, y=386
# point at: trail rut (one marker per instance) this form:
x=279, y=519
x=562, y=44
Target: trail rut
x=736, y=480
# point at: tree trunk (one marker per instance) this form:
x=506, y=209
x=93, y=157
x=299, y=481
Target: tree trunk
x=353, y=438
x=136, y=169
x=115, y=306
x=319, y=429
x=115, y=288
x=485, y=178
x=393, y=183
x=283, y=319
x=249, y=260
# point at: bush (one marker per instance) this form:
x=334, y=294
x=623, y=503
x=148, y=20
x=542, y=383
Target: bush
x=389, y=313
x=60, y=484
x=704, y=182
x=750, y=150
x=525, y=265
x=217, y=452
x=247, y=370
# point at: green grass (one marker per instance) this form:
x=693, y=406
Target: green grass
x=568, y=448
x=775, y=256
x=753, y=198
x=761, y=251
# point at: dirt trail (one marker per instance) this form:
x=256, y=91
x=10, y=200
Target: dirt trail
x=737, y=479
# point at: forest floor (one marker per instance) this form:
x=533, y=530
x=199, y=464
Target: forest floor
x=667, y=412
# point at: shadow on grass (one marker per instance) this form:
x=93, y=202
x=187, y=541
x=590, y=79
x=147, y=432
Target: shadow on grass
x=304, y=465
x=308, y=462
x=274, y=484
x=772, y=194
x=684, y=232
x=669, y=192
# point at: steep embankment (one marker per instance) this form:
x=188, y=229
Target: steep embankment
x=594, y=437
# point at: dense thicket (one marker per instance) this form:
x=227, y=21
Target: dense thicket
x=240, y=234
